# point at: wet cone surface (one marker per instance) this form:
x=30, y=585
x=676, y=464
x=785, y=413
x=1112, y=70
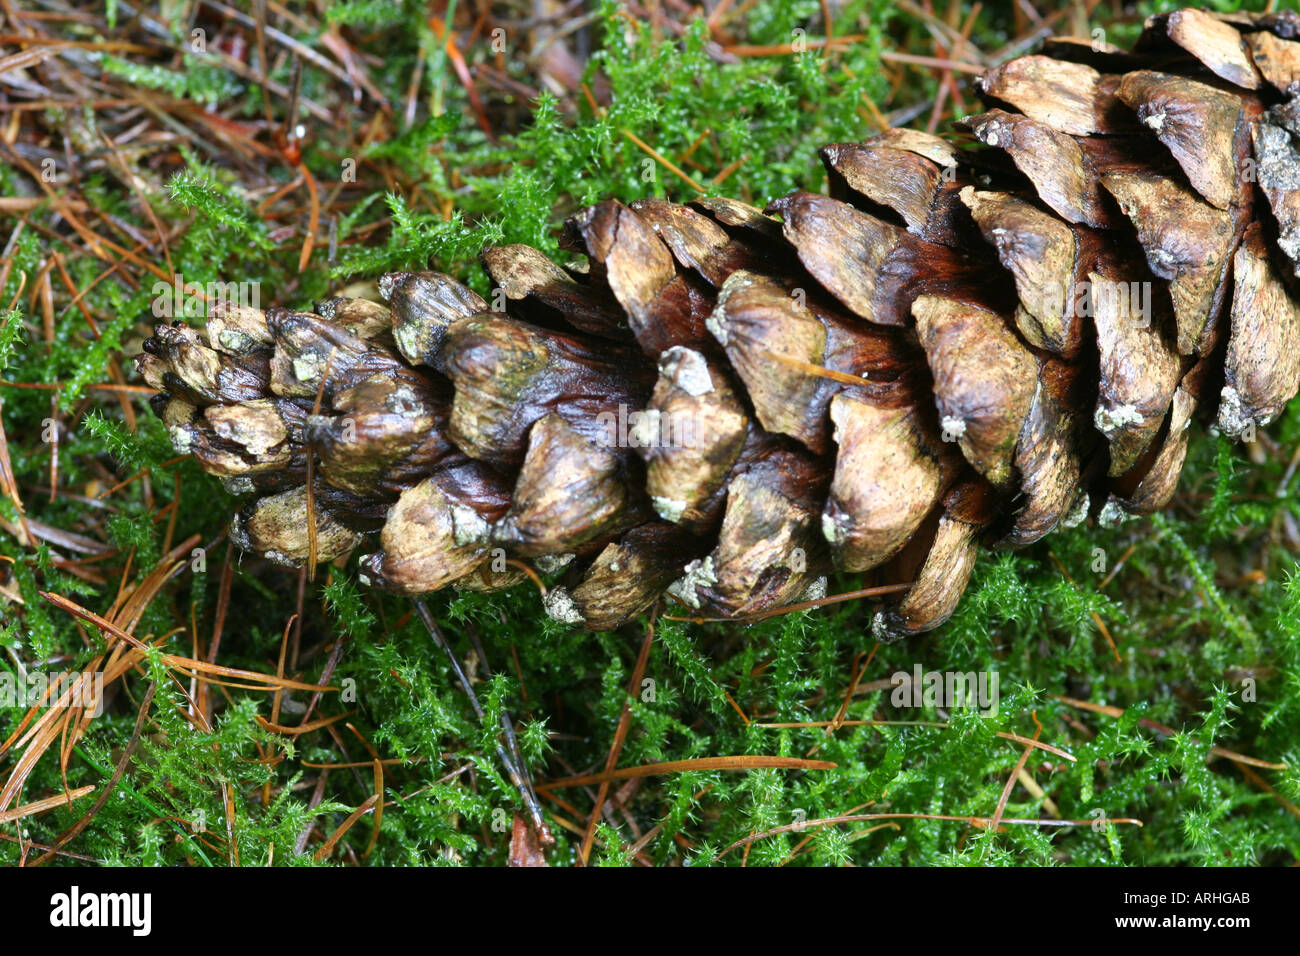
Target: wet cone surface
x=966, y=345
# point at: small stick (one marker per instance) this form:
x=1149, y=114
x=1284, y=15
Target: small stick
x=512, y=771
x=512, y=742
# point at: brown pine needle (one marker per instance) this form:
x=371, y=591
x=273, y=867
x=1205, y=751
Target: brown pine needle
x=328, y=846
x=931, y=61
x=1118, y=564
x=690, y=150
x=1167, y=732
x=937, y=724
x=278, y=696
x=783, y=49
x=378, y=766
x=40, y=806
x=362, y=763
x=182, y=664
x=738, y=762
x=665, y=162
x=313, y=223
x=304, y=728
x=727, y=170
x=858, y=817
x=138, y=475
x=800, y=606
x=1096, y=618
x=717, y=14
x=736, y=707
x=311, y=486
x=620, y=734
x=1264, y=785
x=126, y=389
x=798, y=847
x=1015, y=775
x=529, y=572
x=819, y=370
x=838, y=722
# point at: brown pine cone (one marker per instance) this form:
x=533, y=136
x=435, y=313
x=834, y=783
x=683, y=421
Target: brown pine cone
x=968, y=343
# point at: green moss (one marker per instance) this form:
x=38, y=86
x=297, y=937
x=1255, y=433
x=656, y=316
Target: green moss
x=1192, y=621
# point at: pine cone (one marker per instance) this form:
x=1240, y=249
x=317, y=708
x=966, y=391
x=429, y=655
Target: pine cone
x=969, y=342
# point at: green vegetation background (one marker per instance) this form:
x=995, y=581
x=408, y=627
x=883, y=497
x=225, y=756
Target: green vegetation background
x=1207, y=598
